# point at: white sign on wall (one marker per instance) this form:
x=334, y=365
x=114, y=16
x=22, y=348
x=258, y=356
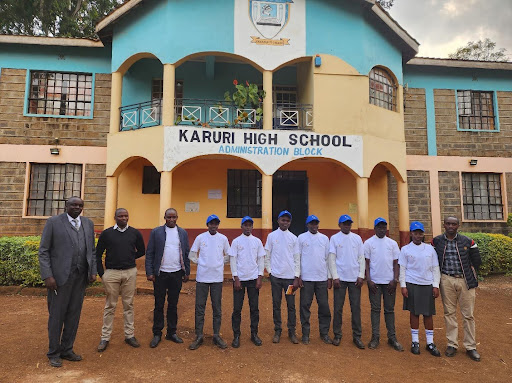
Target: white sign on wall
x=270, y=32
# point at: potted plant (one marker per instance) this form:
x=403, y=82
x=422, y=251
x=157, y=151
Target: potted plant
x=247, y=98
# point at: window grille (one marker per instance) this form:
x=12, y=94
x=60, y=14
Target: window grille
x=383, y=90
x=476, y=110
x=244, y=193
x=482, y=196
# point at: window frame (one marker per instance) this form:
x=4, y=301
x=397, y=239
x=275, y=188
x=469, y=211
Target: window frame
x=503, y=191
x=257, y=195
x=28, y=84
x=494, y=107
x=394, y=84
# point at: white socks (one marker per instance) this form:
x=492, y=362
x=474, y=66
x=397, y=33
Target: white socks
x=430, y=336
x=414, y=334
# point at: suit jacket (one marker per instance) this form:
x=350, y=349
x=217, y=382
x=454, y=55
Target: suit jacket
x=56, y=248
x=155, y=250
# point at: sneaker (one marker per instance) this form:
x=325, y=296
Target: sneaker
x=415, y=348
x=431, y=347
x=374, y=343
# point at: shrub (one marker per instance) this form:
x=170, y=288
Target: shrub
x=19, y=264
x=496, y=252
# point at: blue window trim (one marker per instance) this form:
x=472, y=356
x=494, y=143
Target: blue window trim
x=27, y=93
x=494, y=106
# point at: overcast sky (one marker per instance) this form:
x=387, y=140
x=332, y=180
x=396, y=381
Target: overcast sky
x=441, y=26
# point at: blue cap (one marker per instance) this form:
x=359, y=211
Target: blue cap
x=211, y=218
x=379, y=220
x=247, y=218
x=417, y=226
x=345, y=218
x=312, y=218
x=285, y=212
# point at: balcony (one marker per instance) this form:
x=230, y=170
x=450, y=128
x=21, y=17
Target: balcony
x=216, y=114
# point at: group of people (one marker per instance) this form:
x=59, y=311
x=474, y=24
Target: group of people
x=311, y=263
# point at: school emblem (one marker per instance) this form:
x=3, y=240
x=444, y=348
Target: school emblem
x=269, y=17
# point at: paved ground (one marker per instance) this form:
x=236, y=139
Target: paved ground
x=24, y=343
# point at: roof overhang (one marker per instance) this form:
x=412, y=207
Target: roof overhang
x=52, y=41
x=104, y=26
x=453, y=63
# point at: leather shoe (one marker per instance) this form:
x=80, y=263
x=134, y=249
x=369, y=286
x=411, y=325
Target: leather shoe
x=173, y=337
x=55, y=361
x=336, y=341
x=256, y=339
x=374, y=343
x=415, y=348
x=154, y=342
x=132, y=342
x=277, y=337
x=395, y=344
x=326, y=339
x=293, y=338
x=474, y=355
x=103, y=345
x=433, y=349
x=219, y=342
x=196, y=343
x=359, y=344
x=305, y=339
x=72, y=357
x=450, y=351
x=236, y=342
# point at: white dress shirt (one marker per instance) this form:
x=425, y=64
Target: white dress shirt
x=70, y=219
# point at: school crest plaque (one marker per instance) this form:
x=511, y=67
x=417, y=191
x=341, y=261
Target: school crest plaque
x=269, y=17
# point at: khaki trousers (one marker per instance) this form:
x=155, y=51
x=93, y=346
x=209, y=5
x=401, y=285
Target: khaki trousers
x=453, y=291
x=119, y=282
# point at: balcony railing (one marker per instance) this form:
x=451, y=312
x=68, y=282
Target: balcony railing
x=142, y=115
x=293, y=116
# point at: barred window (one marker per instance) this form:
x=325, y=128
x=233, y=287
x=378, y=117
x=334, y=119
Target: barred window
x=383, y=90
x=244, y=193
x=482, y=196
x=60, y=94
x=476, y=110
x=157, y=92
x=51, y=185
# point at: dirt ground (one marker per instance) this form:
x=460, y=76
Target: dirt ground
x=23, y=321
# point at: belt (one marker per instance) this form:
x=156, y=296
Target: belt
x=455, y=275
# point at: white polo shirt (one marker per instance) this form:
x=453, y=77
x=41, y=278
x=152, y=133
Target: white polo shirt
x=211, y=250
x=349, y=252
x=282, y=245
x=381, y=252
x=419, y=262
x=314, y=254
x=245, y=251
x=171, y=259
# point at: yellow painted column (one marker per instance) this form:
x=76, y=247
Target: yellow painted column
x=362, y=207
x=403, y=212
x=168, y=95
x=110, y=201
x=115, y=101
x=266, y=206
x=165, y=193
x=267, y=101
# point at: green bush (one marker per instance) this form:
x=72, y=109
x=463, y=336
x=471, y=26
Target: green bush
x=496, y=252
x=19, y=264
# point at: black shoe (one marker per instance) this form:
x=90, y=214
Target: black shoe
x=359, y=344
x=256, y=339
x=473, y=354
x=433, y=349
x=154, y=342
x=395, y=344
x=450, y=351
x=219, y=342
x=415, y=348
x=305, y=339
x=55, y=361
x=326, y=339
x=277, y=337
x=196, y=343
x=71, y=356
x=103, y=345
x=173, y=337
x=374, y=343
x=132, y=342
x=336, y=341
x=236, y=342
x=293, y=338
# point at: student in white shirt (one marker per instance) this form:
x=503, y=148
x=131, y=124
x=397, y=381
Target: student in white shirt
x=315, y=279
x=382, y=271
x=282, y=262
x=210, y=251
x=247, y=260
x=419, y=278
x=346, y=261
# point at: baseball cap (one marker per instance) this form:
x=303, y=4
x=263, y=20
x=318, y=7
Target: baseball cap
x=285, y=212
x=417, y=226
x=312, y=218
x=211, y=218
x=345, y=218
x=379, y=220
x=247, y=218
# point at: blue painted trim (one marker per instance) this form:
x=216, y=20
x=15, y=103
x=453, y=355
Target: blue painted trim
x=496, y=116
x=431, y=122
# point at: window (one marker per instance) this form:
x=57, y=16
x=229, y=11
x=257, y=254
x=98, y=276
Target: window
x=244, y=193
x=285, y=95
x=157, y=92
x=60, y=94
x=482, y=196
x=51, y=185
x=150, y=180
x=383, y=89
x=476, y=110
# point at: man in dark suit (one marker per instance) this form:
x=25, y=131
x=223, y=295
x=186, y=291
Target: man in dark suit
x=67, y=261
x=167, y=266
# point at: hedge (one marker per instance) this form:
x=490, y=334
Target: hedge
x=19, y=264
x=496, y=252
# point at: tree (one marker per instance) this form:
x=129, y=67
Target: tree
x=63, y=18
x=386, y=4
x=481, y=50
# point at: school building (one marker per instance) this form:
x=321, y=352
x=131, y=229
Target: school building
x=352, y=122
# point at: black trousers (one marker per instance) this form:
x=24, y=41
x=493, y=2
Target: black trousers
x=64, y=310
x=354, y=296
x=278, y=285
x=202, y=290
x=238, y=303
x=389, y=310
x=166, y=284
x=319, y=289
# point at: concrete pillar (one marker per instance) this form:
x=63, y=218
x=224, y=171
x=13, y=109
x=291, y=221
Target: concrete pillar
x=168, y=95
x=362, y=208
x=115, y=101
x=267, y=101
x=403, y=212
x=266, y=206
x=165, y=193
x=110, y=202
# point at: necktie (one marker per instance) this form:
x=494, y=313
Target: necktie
x=75, y=224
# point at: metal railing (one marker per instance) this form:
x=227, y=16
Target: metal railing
x=292, y=116
x=141, y=115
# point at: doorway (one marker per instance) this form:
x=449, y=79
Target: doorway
x=290, y=192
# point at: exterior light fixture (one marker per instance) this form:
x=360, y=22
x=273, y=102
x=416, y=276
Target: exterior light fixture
x=55, y=151
x=473, y=162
